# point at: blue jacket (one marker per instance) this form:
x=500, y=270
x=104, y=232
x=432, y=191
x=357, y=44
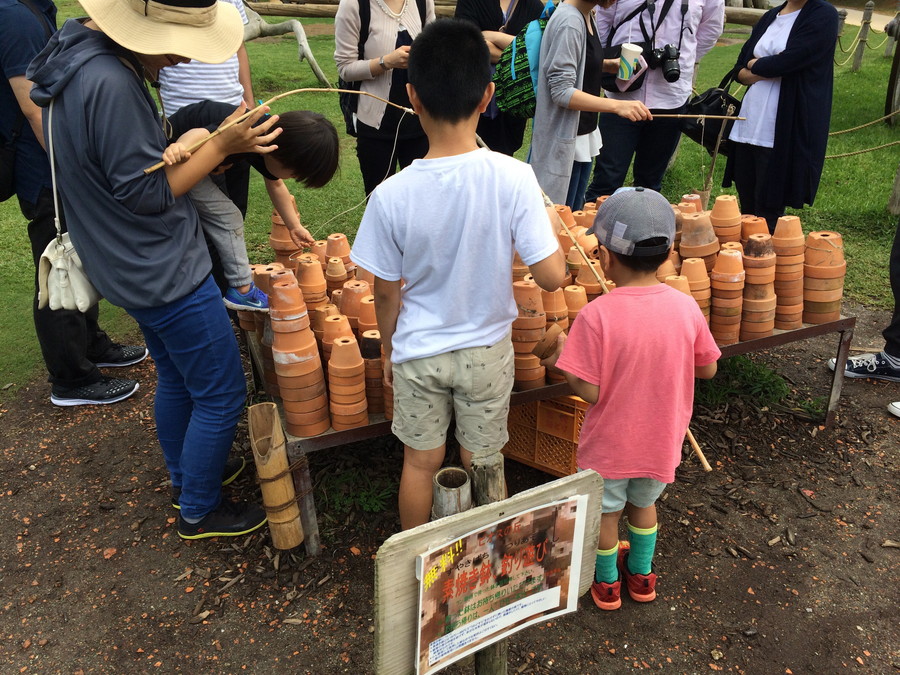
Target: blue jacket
x=140, y=246
x=804, y=106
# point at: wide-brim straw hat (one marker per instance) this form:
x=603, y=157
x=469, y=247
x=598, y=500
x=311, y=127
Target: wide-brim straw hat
x=204, y=30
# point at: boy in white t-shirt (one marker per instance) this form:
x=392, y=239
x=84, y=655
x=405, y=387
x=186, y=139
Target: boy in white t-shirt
x=448, y=226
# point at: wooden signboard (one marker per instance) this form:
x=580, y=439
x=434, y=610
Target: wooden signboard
x=409, y=561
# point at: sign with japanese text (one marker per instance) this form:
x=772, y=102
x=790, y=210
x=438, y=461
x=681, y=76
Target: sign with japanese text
x=497, y=580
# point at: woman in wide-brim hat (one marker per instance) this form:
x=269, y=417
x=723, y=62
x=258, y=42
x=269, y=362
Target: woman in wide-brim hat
x=139, y=235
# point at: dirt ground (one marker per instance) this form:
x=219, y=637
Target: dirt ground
x=773, y=563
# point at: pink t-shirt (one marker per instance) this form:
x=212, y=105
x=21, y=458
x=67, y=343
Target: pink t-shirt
x=639, y=344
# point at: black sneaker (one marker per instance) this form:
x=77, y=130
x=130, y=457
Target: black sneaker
x=231, y=519
x=232, y=470
x=105, y=390
x=119, y=356
x=869, y=365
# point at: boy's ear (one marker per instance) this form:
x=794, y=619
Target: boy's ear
x=605, y=257
x=486, y=99
x=414, y=98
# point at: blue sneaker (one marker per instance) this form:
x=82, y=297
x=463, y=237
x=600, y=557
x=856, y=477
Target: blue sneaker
x=254, y=300
x=875, y=366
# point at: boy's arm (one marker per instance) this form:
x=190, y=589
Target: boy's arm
x=387, y=309
x=239, y=138
x=706, y=372
x=281, y=200
x=550, y=272
x=589, y=392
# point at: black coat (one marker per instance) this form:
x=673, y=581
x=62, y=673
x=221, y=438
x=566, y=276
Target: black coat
x=804, y=105
x=487, y=15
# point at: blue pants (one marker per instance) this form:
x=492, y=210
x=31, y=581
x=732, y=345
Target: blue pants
x=200, y=391
x=651, y=144
x=581, y=173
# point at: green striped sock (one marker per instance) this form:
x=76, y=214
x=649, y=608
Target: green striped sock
x=605, y=569
x=643, y=545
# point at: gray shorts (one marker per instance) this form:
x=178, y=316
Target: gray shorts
x=642, y=492
x=471, y=384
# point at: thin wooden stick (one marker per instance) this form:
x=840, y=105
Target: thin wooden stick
x=698, y=451
x=195, y=146
x=698, y=117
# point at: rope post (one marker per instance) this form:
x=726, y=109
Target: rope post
x=893, y=32
x=863, y=36
x=892, y=100
x=842, y=17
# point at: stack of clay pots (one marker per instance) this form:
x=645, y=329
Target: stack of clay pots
x=667, y=269
x=280, y=238
x=823, y=281
x=335, y=276
x=758, y=311
x=698, y=238
x=679, y=283
x=388, y=393
x=336, y=326
x=312, y=281
x=694, y=199
x=519, y=268
x=318, y=250
x=527, y=330
x=576, y=299
x=726, y=218
x=370, y=348
x=262, y=275
x=347, y=385
x=694, y=270
x=317, y=320
x=790, y=245
x=555, y=308
x=752, y=225
x=727, y=281
x=351, y=299
x=675, y=259
x=337, y=246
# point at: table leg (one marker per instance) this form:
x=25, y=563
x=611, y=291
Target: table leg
x=838, y=380
x=303, y=486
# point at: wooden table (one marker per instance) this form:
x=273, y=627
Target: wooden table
x=299, y=448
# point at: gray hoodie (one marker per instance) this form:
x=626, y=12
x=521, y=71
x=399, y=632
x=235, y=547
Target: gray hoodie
x=140, y=246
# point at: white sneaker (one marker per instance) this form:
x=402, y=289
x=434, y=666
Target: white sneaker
x=894, y=408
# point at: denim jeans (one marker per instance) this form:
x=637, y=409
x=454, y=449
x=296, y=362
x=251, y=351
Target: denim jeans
x=581, y=173
x=892, y=332
x=200, y=391
x=651, y=144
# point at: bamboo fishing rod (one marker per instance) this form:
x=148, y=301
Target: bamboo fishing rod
x=195, y=146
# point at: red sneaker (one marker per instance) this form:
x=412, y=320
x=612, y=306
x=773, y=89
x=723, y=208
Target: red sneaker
x=641, y=587
x=607, y=596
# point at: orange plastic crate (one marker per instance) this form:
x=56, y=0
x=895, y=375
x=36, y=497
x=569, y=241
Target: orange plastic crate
x=544, y=434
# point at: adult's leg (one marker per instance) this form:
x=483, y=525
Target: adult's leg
x=65, y=336
x=200, y=392
x=656, y=145
x=892, y=332
x=376, y=161
x=620, y=138
x=581, y=172
x=745, y=176
x=223, y=226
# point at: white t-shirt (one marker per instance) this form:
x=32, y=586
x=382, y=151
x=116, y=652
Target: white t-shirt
x=448, y=227
x=760, y=104
x=194, y=81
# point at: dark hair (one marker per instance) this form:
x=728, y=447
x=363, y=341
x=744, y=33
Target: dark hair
x=643, y=263
x=308, y=147
x=450, y=67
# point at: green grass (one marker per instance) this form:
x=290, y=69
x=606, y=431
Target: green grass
x=739, y=377
x=852, y=198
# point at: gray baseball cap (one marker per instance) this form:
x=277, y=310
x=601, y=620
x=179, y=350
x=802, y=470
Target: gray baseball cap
x=632, y=215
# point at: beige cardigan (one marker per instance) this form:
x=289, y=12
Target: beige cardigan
x=383, y=31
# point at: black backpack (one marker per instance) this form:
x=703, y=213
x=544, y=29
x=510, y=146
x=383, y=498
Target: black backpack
x=350, y=102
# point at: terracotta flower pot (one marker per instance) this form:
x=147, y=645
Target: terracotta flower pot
x=695, y=270
x=337, y=246
x=345, y=353
x=667, y=269
x=300, y=343
x=694, y=199
x=261, y=275
x=307, y=430
x=527, y=295
x=687, y=207
x=729, y=267
x=788, y=231
x=679, y=283
x=302, y=388
x=576, y=297
x=351, y=298
x=367, y=321
x=725, y=212
x=304, y=407
x=759, y=245
x=335, y=270
x=753, y=225
x=732, y=246
x=824, y=249
x=285, y=299
x=289, y=363
x=759, y=291
x=370, y=345
x=697, y=231
x=529, y=322
x=565, y=214
x=310, y=275
x=675, y=259
x=335, y=327
x=825, y=271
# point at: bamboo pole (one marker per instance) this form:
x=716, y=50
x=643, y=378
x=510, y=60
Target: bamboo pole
x=451, y=492
x=270, y=454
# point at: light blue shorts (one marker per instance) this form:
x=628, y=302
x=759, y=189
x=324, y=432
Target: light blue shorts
x=641, y=492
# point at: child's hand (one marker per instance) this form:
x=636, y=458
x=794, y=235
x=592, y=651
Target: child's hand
x=301, y=237
x=176, y=153
x=244, y=137
x=550, y=361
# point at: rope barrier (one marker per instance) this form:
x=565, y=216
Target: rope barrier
x=853, y=46
x=880, y=44
x=844, y=63
x=867, y=124
x=860, y=152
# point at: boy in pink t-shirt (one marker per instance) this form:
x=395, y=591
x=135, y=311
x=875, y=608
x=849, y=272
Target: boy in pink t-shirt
x=633, y=354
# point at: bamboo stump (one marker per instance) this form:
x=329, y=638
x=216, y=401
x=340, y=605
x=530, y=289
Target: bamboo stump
x=452, y=492
x=279, y=497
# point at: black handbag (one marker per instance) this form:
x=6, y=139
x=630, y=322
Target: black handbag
x=715, y=101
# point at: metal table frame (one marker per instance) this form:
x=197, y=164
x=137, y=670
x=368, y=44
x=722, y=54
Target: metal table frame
x=299, y=448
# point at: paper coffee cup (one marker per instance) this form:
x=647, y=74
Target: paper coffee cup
x=628, y=61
